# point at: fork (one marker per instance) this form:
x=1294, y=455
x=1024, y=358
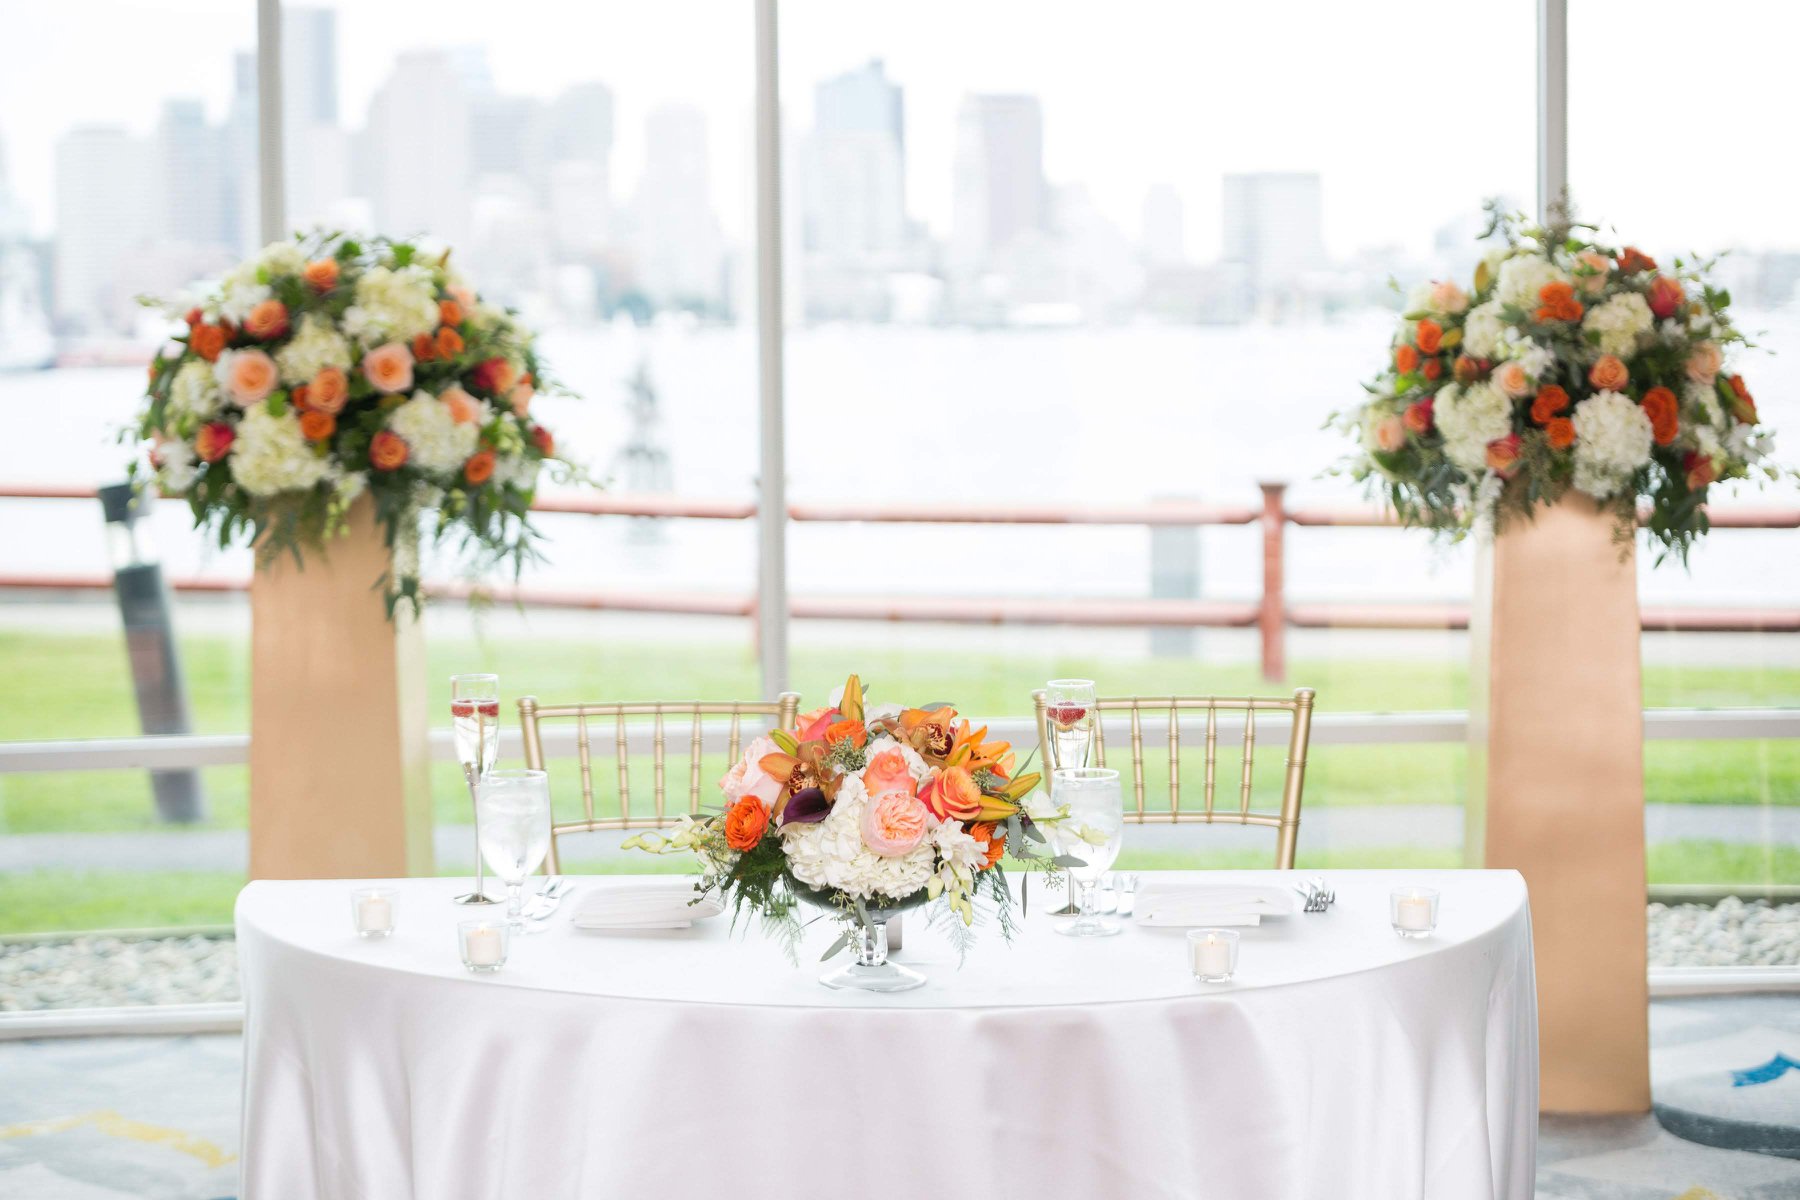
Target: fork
x=544, y=903
x=1318, y=896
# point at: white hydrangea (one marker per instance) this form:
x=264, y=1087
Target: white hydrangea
x=282, y=258
x=437, y=444
x=516, y=470
x=1521, y=278
x=831, y=854
x=1748, y=443
x=316, y=344
x=1418, y=299
x=176, y=466
x=1703, y=397
x=1538, y=360
x=271, y=455
x=392, y=305
x=1612, y=439
x=1619, y=321
x=1469, y=418
x=194, y=393
x=240, y=291
x=1483, y=330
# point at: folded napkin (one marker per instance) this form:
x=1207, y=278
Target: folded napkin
x=657, y=905
x=1186, y=903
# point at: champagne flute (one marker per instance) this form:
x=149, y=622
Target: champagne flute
x=1069, y=716
x=1093, y=832
x=513, y=818
x=475, y=717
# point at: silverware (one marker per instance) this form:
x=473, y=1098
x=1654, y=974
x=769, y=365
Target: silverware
x=1318, y=896
x=543, y=905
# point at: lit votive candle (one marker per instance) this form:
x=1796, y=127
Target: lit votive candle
x=1413, y=911
x=483, y=945
x=372, y=911
x=1212, y=954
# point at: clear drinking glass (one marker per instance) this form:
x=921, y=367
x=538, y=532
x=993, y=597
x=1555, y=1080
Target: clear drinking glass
x=1093, y=833
x=1070, y=713
x=512, y=816
x=475, y=718
x=483, y=944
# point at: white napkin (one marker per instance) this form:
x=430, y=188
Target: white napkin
x=662, y=904
x=1171, y=903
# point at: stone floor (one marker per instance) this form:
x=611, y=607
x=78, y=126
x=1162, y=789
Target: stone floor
x=155, y=1118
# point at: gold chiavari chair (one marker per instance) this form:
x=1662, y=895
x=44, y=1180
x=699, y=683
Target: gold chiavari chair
x=1286, y=822
x=690, y=714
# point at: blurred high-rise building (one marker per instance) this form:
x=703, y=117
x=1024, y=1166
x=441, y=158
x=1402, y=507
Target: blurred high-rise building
x=581, y=125
x=191, y=187
x=1000, y=193
x=1165, y=227
x=416, y=148
x=317, y=150
x=238, y=145
x=679, y=250
x=1274, y=228
x=855, y=188
x=102, y=176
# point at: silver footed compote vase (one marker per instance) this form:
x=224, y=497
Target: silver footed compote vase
x=869, y=969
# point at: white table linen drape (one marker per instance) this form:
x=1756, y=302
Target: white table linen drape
x=1341, y=1063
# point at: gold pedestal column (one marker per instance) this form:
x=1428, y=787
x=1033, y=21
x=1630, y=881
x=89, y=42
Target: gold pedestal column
x=1557, y=789
x=339, y=781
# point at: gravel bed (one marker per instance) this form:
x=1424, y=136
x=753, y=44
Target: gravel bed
x=112, y=971
x=1731, y=933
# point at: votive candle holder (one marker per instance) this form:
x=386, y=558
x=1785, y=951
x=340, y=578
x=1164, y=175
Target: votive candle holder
x=373, y=910
x=1413, y=911
x=1212, y=954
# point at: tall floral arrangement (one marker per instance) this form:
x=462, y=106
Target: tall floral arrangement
x=1571, y=363
x=328, y=368
x=867, y=808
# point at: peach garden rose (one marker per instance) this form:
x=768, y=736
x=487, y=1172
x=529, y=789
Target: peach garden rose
x=389, y=367
x=249, y=376
x=894, y=823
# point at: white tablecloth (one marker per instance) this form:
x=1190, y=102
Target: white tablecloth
x=1341, y=1063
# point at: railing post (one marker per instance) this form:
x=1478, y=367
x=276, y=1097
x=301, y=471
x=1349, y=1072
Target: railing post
x=1272, y=619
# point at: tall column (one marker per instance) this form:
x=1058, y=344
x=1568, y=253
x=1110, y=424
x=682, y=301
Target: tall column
x=339, y=757
x=1557, y=789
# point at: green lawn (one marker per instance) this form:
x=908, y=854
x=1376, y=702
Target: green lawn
x=45, y=901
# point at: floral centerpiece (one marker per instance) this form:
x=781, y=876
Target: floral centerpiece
x=327, y=368
x=866, y=811
x=1571, y=364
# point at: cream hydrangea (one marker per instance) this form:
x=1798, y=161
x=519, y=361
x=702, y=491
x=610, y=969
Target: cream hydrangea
x=194, y=393
x=1536, y=359
x=282, y=258
x=1612, y=439
x=1483, y=330
x=240, y=291
x=1702, y=397
x=516, y=470
x=271, y=455
x=830, y=853
x=394, y=304
x=1619, y=321
x=1521, y=278
x=176, y=466
x=316, y=344
x=437, y=444
x=1469, y=418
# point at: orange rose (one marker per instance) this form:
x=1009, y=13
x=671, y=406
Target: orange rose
x=1503, y=454
x=546, y=444
x=1550, y=401
x=316, y=426
x=996, y=846
x=1418, y=416
x=1664, y=411
x=1635, y=260
x=951, y=794
x=1466, y=370
x=745, y=822
x=213, y=442
x=521, y=394
x=449, y=343
x=267, y=320
x=389, y=367
x=480, y=467
x=1609, y=374
x=329, y=391
x=1434, y=367
x=424, y=347
x=494, y=376
x=208, y=341
x=250, y=376
x=1700, y=470
x=1742, y=406
x=1560, y=433
x=1665, y=297
x=463, y=408
x=449, y=312
x=1558, y=303
x=321, y=274
x=888, y=772
x=298, y=396
x=388, y=451
x=1429, y=335
x=838, y=731
x=1406, y=359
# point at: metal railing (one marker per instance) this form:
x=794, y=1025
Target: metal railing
x=1270, y=613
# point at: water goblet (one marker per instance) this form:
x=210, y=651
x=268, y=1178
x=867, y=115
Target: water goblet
x=1093, y=833
x=512, y=812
